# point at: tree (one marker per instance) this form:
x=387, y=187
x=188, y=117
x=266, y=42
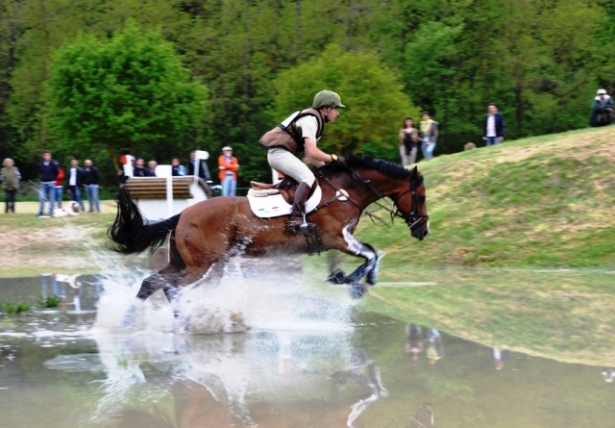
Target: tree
x=123, y=93
x=372, y=92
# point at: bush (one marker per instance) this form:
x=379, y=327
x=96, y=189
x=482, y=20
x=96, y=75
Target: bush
x=14, y=308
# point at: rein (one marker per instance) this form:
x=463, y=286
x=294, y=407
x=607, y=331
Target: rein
x=412, y=221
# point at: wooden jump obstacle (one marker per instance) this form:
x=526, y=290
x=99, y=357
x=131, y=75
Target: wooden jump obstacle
x=164, y=196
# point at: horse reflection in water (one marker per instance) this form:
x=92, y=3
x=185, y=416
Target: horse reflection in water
x=261, y=379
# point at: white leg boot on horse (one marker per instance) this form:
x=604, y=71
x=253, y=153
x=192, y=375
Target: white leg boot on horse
x=297, y=216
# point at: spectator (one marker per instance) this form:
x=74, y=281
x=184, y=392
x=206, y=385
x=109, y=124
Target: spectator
x=152, y=168
x=59, y=187
x=602, y=109
x=408, y=138
x=203, y=169
x=176, y=168
x=91, y=179
x=9, y=176
x=228, y=166
x=139, y=169
x=493, y=128
x=429, y=135
x=48, y=170
x=75, y=182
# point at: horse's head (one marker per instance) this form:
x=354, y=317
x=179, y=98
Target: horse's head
x=412, y=205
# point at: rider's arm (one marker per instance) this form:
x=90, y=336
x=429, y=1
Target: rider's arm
x=316, y=156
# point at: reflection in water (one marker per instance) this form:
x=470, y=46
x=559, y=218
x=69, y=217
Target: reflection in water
x=262, y=378
x=417, y=336
x=306, y=361
x=500, y=357
x=608, y=374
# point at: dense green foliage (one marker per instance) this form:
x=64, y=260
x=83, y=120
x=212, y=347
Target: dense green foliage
x=131, y=90
x=540, y=61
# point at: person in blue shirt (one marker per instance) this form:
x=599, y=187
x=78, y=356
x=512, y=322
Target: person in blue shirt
x=48, y=171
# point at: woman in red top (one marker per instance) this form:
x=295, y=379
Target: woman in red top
x=59, y=189
x=228, y=166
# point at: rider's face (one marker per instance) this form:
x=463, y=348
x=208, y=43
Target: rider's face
x=332, y=114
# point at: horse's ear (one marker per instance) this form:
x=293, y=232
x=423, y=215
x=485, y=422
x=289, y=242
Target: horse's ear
x=415, y=171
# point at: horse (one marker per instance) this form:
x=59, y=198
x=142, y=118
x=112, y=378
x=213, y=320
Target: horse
x=205, y=235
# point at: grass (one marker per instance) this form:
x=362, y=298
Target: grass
x=565, y=316
x=32, y=245
x=545, y=201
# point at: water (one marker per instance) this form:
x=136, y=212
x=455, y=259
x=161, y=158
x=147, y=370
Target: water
x=274, y=352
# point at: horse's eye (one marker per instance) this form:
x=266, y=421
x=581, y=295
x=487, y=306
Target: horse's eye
x=421, y=199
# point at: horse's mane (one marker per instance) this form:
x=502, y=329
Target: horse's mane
x=367, y=162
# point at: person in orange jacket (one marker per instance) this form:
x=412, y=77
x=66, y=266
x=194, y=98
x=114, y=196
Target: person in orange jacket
x=228, y=166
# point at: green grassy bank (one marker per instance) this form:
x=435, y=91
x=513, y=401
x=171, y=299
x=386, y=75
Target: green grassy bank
x=544, y=201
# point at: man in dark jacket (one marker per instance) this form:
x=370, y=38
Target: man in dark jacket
x=177, y=169
x=75, y=182
x=139, y=169
x=48, y=171
x=602, y=109
x=493, y=128
x=203, y=169
x=91, y=178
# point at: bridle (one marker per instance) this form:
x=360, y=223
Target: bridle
x=415, y=218
x=412, y=221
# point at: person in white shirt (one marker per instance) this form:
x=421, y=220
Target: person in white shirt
x=493, y=129
x=75, y=182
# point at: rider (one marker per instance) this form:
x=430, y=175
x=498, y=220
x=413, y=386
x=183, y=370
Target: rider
x=300, y=131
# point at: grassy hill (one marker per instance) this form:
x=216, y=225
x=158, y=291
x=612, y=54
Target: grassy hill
x=502, y=218
x=544, y=201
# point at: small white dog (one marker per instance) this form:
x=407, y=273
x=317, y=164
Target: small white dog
x=71, y=209
x=73, y=280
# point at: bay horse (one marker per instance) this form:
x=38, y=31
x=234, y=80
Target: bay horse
x=203, y=236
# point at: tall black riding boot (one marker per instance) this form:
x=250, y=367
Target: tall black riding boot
x=296, y=215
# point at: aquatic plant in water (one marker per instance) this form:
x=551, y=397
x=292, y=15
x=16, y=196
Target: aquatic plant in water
x=50, y=302
x=14, y=308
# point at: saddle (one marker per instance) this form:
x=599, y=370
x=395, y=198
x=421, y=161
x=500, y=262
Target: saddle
x=275, y=200
x=286, y=187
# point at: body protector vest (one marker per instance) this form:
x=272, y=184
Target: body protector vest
x=290, y=136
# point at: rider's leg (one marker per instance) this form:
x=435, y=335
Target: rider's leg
x=298, y=211
x=284, y=161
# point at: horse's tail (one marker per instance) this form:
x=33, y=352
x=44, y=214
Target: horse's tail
x=130, y=233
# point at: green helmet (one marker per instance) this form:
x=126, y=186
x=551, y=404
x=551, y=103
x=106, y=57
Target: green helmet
x=327, y=98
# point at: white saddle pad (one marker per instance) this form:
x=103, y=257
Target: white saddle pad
x=276, y=206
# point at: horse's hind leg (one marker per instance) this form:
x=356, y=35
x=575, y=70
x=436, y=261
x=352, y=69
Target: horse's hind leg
x=166, y=277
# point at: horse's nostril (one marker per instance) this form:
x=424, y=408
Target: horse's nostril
x=425, y=233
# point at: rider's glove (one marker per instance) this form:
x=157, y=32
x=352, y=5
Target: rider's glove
x=339, y=159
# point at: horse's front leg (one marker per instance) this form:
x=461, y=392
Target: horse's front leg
x=369, y=269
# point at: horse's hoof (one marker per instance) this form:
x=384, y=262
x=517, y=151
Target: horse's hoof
x=357, y=290
x=336, y=277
